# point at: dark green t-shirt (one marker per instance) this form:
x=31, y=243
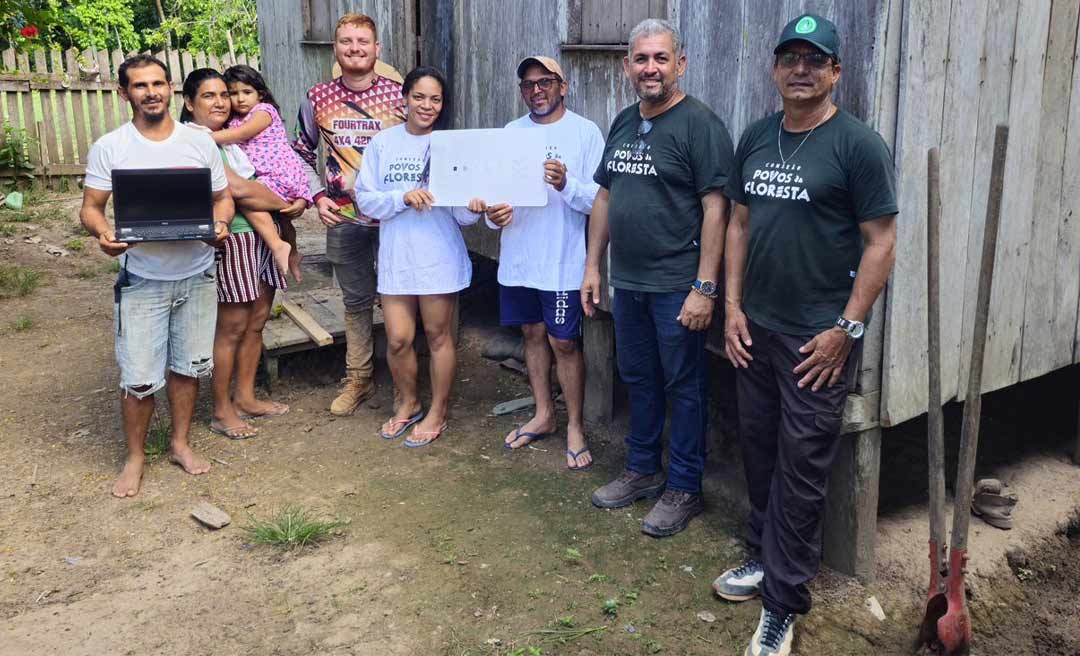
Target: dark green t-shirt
x=805, y=244
x=654, y=212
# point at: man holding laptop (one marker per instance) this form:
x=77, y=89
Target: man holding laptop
x=165, y=296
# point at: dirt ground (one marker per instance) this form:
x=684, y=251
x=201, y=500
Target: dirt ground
x=459, y=548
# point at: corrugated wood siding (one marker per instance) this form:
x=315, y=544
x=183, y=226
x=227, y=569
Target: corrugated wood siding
x=969, y=65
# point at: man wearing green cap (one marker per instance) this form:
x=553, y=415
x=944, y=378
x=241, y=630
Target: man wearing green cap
x=809, y=247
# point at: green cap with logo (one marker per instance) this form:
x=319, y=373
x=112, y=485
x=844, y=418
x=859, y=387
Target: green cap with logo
x=815, y=30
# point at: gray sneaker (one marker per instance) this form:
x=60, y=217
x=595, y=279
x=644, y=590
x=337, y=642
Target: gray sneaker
x=773, y=636
x=671, y=513
x=627, y=489
x=741, y=583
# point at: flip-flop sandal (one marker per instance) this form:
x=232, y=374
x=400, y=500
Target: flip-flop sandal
x=234, y=432
x=435, y=434
x=277, y=412
x=405, y=423
x=575, y=456
x=518, y=434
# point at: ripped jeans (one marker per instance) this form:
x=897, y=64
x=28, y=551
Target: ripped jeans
x=164, y=324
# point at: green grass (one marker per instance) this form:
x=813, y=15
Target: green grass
x=292, y=527
x=16, y=216
x=23, y=323
x=75, y=244
x=113, y=266
x=17, y=280
x=157, y=442
x=7, y=230
x=87, y=272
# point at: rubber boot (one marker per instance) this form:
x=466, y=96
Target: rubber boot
x=359, y=384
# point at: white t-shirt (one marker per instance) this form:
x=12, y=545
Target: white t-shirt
x=419, y=252
x=544, y=247
x=126, y=148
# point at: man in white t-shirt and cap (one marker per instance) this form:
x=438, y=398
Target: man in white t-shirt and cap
x=166, y=294
x=542, y=256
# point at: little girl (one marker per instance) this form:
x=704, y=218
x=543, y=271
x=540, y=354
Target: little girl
x=256, y=126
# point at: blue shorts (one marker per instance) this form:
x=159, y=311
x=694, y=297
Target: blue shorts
x=559, y=311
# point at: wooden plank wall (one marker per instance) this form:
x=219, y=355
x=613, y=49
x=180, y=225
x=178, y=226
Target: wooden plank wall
x=729, y=45
x=76, y=95
x=490, y=37
x=292, y=66
x=968, y=65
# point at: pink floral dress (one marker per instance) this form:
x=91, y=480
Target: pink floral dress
x=276, y=164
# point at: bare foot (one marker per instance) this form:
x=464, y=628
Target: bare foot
x=192, y=462
x=517, y=438
x=127, y=483
x=257, y=408
x=281, y=251
x=294, y=266
x=575, y=443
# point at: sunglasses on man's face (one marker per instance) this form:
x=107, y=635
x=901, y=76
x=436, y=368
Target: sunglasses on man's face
x=815, y=60
x=544, y=83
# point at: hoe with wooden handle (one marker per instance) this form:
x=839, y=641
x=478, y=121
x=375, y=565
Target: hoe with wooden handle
x=936, y=604
x=954, y=629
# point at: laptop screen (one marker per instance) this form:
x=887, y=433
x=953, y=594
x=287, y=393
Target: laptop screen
x=162, y=195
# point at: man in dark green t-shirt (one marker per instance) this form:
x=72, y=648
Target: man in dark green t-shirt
x=661, y=203
x=809, y=248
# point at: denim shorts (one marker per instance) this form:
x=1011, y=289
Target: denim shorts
x=164, y=324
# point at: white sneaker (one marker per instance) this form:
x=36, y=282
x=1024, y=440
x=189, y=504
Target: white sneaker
x=773, y=636
x=741, y=583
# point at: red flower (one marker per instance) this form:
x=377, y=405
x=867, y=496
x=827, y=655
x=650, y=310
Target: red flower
x=29, y=32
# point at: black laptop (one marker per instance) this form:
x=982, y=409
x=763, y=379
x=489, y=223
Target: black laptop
x=162, y=204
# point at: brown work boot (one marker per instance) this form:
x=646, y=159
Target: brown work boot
x=355, y=391
x=671, y=513
x=627, y=489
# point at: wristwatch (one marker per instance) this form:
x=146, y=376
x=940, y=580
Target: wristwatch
x=706, y=288
x=853, y=329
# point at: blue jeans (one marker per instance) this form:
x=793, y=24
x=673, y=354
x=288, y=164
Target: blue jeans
x=660, y=361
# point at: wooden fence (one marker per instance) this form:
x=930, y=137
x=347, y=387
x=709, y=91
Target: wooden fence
x=67, y=100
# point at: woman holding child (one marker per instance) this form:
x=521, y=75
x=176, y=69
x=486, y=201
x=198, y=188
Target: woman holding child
x=251, y=267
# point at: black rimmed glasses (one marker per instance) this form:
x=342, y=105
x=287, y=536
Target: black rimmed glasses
x=815, y=60
x=544, y=83
x=643, y=128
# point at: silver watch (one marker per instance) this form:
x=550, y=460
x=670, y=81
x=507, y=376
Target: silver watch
x=853, y=329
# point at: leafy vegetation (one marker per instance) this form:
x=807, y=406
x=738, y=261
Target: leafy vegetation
x=214, y=26
x=15, y=150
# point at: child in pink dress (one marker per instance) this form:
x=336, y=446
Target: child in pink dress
x=256, y=126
